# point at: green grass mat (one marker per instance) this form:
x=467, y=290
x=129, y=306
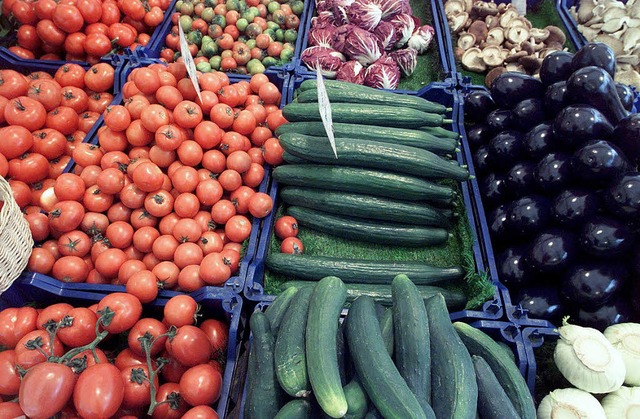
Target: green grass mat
x=456, y=252
x=548, y=377
x=546, y=14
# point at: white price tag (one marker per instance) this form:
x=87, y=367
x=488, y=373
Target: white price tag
x=521, y=6
x=325, y=110
x=188, y=60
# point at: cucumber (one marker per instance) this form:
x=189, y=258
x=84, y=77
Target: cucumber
x=347, y=94
x=370, y=231
x=386, y=329
x=365, y=206
x=296, y=409
x=382, y=115
x=453, y=378
x=289, y=352
x=306, y=267
x=325, y=307
x=357, y=400
x=361, y=180
x=411, y=339
x=291, y=159
x=341, y=351
x=265, y=397
x=277, y=309
x=480, y=344
x=379, y=376
x=374, y=155
x=440, y=132
x=493, y=402
x=411, y=137
x=373, y=414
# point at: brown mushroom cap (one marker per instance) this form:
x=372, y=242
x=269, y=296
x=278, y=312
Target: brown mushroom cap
x=539, y=35
x=530, y=63
x=479, y=30
x=555, y=35
x=453, y=7
x=466, y=40
x=512, y=58
x=492, y=74
x=528, y=47
x=483, y=9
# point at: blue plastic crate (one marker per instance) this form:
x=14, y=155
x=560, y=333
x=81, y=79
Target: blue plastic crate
x=492, y=309
x=502, y=332
x=572, y=26
x=215, y=303
x=533, y=338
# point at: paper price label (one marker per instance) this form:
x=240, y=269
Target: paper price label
x=325, y=110
x=188, y=60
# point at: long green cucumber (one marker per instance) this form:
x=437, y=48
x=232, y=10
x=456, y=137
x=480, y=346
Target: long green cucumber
x=453, y=378
x=374, y=155
x=386, y=329
x=493, y=402
x=345, y=93
x=289, y=352
x=326, y=304
x=384, y=385
x=366, y=206
x=365, y=181
x=341, y=351
x=440, y=132
x=296, y=409
x=357, y=399
x=277, y=309
x=370, y=231
x=411, y=339
x=410, y=137
x=480, y=344
x=312, y=268
x=373, y=414
x=265, y=397
x=382, y=115
x=291, y=159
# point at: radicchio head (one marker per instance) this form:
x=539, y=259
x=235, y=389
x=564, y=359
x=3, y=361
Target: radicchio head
x=328, y=59
x=339, y=10
x=365, y=14
x=421, y=38
x=351, y=71
x=406, y=59
x=405, y=26
x=362, y=46
x=386, y=33
x=393, y=7
x=382, y=76
x=321, y=36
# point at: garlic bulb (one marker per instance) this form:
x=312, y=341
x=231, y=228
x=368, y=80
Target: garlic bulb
x=588, y=360
x=570, y=403
x=625, y=337
x=623, y=403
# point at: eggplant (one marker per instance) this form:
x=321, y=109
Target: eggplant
x=510, y=88
x=494, y=190
x=528, y=113
x=499, y=120
x=605, y=237
x=539, y=141
x=592, y=284
x=478, y=135
x=542, y=302
x=498, y=222
x=627, y=137
x=529, y=215
x=635, y=299
x=626, y=95
x=556, y=67
x=622, y=198
x=614, y=312
x=594, y=86
x=506, y=147
x=572, y=207
x=477, y=105
x=577, y=124
x=552, y=251
x=598, y=162
x=553, y=172
x=521, y=178
x=556, y=98
x=482, y=159
x=512, y=268
x=595, y=54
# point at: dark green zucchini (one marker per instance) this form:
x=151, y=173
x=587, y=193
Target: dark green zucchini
x=313, y=268
x=366, y=206
x=493, y=402
x=277, y=309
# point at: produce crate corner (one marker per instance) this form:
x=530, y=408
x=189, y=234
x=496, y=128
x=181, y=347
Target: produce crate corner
x=535, y=337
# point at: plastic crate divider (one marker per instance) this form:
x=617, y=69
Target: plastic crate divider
x=443, y=37
x=571, y=25
x=533, y=338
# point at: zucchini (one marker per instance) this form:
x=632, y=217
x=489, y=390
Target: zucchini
x=365, y=206
x=357, y=400
x=370, y=231
x=345, y=93
x=265, y=397
x=411, y=137
x=480, y=344
x=441, y=132
x=381, y=293
x=493, y=402
x=453, y=379
x=386, y=329
x=289, y=352
x=382, y=115
x=361, y=180
x=411, y=339
x=296, y=409
x=379, y=376
x=277, y=309
x=325, y=307
x=306, y=267
x=374, y=155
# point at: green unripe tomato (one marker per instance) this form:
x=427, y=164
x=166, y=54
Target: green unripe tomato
x=186, y=8
x=232, y=4
x=290, y=35
x=286, y=55
x=251, y=43
x=219, y=20
x=279, y=35
x=179, y=4
x=208, y=14
x=243, y=39
x=269, y=61
x=272, y=25
x=271, y=33
x=210, y=49
x=195, y=37
x=243, y=6
x=242, y=24
x=215, y=62
x=297, y=7
x=204, y=67
x=273, y=6
x=278, y=17
x=206, y=39
x=254, y=66
x=185, y=22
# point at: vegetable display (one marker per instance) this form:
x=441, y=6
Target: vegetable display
x=387, y=369
x=556, y=159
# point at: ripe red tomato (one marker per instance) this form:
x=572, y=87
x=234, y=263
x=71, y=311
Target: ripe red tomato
x=70, y=269
x=9, y=378
x=74, y=243
x=127, y=308
x=15, y=323
x=214, y=270
x=136, y=386
x=169, y=410
x=27, y=112
x=82, y=330
x=27, y=358
x=286, y=226
x=154, y=328
x=148, y=177
x=181, y=310
x=292, y=245
x=190, y=346
x=46, y=389
x=201, y=385
x=260, y=204
x=238, y=228
x=41, y=261
x=143, y=285
x=99, y=391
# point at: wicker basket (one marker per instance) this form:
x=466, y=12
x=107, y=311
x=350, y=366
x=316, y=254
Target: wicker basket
x=15, y=238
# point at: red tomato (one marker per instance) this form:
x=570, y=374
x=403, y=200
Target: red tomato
x=286, y=226
x=74, y=243
x=15, y=323
x=27, y=358
x=9, y=378
x=173, y=410
x=82, y=330
x=68, y=18
x=70, y=269
x=181, y=310
x=190, y=346
x=49, y=142
x=218, y=334
x=238, y=228
x=27, y=112
x=154, y=328
x=46, y=389
x=201, y=385
x=214, y=270
x=292, y=245
x=143, y=285
x=136, y=381
x=260, y=204
x=41, y=261
x=99, y=391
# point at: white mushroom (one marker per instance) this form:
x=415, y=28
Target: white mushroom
x=633, y=22
x=457, y=22
x=539, y=35
x=453, y=7
x=466, y=40
x=585, y=10
x=613, y=12
x=517, y=34
x=495, y=36
x=472, y=60
x=507, y=16
x=492, y=56
x=588, y=32
x=615, y=44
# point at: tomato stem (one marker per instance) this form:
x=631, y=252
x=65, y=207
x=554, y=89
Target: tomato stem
x=146, y=342
x=106, y=315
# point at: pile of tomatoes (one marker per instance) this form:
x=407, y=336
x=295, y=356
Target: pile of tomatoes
x=82, y=30
x=108, y=360
x=242, y=36
x=286, y=229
